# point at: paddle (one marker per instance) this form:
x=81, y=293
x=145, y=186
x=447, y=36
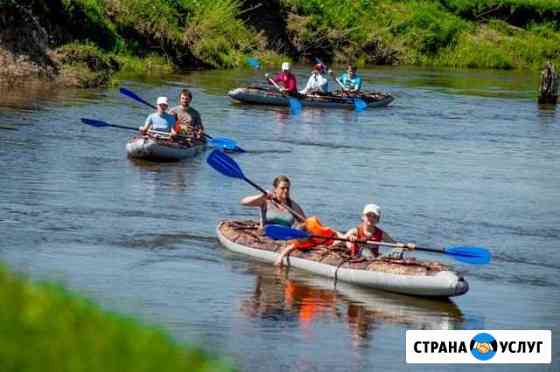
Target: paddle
x=471, y=255
x=295, y=104
x=359, y=104
x=219, y=142
x=102, y=124
x=228, y=167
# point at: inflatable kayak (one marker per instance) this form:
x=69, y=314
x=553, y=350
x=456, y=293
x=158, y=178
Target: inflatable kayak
x=264, y=96
x=407, y=275
x=158, y=149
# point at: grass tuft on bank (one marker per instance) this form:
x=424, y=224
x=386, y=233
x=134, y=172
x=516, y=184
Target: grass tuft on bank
x=45, y=328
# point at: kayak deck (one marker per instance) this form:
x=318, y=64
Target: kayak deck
x=408, y=275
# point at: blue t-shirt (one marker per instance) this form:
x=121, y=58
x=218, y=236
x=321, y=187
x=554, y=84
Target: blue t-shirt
x=161, y=122
x=354, y=83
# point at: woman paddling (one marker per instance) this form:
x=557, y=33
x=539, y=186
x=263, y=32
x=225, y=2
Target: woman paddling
x=368, y=230
x=275, y=207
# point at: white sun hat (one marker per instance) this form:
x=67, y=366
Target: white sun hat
x=163, y=100
x=372, y=208
x=285, y=66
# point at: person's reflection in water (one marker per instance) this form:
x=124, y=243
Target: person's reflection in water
x=359, y=322
x=280, y=298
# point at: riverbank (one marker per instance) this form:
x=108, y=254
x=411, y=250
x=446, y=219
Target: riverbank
x=84, y=43
x=45, y=328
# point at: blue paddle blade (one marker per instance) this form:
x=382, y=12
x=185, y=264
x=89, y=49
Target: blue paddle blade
x=95, y=123
x=225, y=143
x=135, y=97
x=295, y=105
x=224, y=164
x=359, y=104
x=279, y=232
x=254, y=63
x=472, y=255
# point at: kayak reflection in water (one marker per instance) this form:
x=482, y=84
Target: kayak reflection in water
x=283, y=299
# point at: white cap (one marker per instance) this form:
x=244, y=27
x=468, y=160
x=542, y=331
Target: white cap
x=163, y=100
x=285, y=66
x=372, y=208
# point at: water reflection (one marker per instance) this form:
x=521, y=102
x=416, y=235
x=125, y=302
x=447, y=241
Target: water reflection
x=301, y=300
x=546, y=113
x=157, y=175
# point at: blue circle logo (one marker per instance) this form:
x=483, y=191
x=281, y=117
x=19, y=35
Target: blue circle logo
x=483, y=346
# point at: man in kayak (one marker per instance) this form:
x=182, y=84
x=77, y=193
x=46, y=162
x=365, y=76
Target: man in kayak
x=288, y=80
x=368, y=230
x=189, y=123
x=350, y=81
x=317, y=84
x=160, y=121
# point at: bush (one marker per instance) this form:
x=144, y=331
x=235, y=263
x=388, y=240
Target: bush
x=44, y=328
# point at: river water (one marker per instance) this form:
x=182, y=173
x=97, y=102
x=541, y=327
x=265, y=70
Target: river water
x=460, y=157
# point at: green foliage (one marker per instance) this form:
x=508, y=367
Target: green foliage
x=519, y=12
x=44, y=328
x=427, y=28
x=217, y=36
x=88, y=21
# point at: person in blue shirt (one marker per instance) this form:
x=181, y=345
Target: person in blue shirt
x=351, y=82
x=160, y=121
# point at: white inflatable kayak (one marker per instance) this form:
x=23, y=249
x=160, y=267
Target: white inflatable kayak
x=407, y=276
x=150, y=148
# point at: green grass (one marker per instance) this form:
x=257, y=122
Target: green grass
x=45, y=328
x=502, y=34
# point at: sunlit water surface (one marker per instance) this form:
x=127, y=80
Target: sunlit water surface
x=459, y=158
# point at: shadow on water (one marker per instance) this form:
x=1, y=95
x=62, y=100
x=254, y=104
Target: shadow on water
x=160, y=241
x=301, y=300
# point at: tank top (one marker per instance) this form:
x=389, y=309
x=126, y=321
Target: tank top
x=361, y=235
x=270, y=214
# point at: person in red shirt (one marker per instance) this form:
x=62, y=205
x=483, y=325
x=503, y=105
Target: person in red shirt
x=286, y=79
x=368, y=230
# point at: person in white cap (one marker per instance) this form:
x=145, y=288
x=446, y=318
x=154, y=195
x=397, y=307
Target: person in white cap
x=160, y=121
x=368, y=230
x=287, y=79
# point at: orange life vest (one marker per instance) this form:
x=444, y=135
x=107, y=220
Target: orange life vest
x=314, y=227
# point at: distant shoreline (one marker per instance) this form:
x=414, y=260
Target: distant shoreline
x=81, y=43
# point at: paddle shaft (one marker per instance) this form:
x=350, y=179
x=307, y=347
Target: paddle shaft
x=398, y=245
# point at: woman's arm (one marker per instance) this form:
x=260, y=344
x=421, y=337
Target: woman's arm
x=254, y=200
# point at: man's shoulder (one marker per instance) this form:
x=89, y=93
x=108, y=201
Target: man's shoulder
x=193, y=111
x=175, y=109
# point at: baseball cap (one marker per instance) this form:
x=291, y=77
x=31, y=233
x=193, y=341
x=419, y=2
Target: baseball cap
x=372, y=208
x=285, y=66
x=163, y=100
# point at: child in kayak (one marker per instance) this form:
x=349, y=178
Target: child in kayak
x=368, y=230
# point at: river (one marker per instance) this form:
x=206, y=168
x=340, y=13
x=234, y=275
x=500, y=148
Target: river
x=460, y=157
